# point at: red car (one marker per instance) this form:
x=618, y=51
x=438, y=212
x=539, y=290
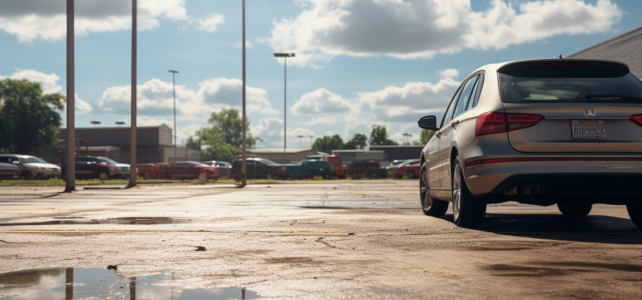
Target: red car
x=339, y=168
x=190, y=170
x=149, y=171
x=410, y=169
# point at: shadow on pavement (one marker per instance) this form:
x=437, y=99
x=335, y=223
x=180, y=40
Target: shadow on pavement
x=592, y=228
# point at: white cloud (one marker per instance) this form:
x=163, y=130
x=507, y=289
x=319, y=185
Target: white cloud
x=268, y=128
x=210, y=23
x=424, y=28
x=325, y=120
x=248, y=44
x=155, y=98
x=449, y=73
x=320, y=101
x=46, y=19
x=49, y=85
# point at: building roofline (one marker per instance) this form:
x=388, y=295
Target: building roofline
x=126, y=127
x=605, y=42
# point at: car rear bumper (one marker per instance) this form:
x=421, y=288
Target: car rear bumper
x=557, y=177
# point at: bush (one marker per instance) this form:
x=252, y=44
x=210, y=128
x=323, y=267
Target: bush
x=318, y=177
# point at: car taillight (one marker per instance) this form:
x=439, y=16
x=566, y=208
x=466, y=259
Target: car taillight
x=516, y=121
x=637, y=119
x=492, y=122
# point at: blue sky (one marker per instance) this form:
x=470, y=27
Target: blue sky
x=359, y=62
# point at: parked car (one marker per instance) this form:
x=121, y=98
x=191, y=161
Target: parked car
x=364, y=168
x=410, y=168
x=120, y=170
x=9, y=171
x=224, y=168
x=392, y=167
x=31, y=167
x=190, y=170
x=309, y=168
x=149, y=171
x=89, y=167
x=258, y=168
x=562, y=131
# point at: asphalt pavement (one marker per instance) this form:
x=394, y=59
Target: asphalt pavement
x=331, y=240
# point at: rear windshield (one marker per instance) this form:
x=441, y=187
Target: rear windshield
x=570, y=89
x=33, y=160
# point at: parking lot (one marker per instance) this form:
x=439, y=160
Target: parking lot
x=331, y=240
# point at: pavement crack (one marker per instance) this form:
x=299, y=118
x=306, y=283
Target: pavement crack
x=6, y=242
x=320, y=240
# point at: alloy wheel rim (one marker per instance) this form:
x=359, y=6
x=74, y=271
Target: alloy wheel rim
x=426, y=200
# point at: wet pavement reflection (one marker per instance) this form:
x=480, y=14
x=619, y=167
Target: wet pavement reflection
x=81, y=283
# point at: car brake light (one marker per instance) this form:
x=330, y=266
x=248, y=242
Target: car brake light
x=490, y=122
x=522, y=121
x=637, y=119
x=493, y=122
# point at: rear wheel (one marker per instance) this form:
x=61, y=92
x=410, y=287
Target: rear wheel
x=635, y=212
x=574, y=209
x=468, y=210
x=430, y=206
x=103, y=176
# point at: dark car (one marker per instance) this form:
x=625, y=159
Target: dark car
x=88, y=167
x=364, y=168
x=258, y=168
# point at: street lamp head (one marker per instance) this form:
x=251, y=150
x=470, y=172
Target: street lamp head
x=172, y=71
x=120, y=123
x=283, y=54
x=95, y=122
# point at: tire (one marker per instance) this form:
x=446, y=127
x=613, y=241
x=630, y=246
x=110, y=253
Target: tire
x=575, y=209
x=103, y=176
x=468, y=210
x=635, y=213
x=26, y=176
x=429, y=205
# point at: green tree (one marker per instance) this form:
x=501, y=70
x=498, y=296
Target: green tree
x=29, y=121
x=328, y=143
x=359, y=141
x=425, y=136
x=379, y=136
x=224, y=137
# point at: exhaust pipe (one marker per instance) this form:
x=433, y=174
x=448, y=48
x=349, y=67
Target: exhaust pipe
x=518, y=189
x=532, y=189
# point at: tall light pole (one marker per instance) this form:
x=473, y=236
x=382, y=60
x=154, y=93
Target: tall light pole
x=243, y=154
x=70, y=162
x=132, y=143
x=311, y=137
x=300, y=141
x=285, y=92
x=119, y=139
x=175, y=129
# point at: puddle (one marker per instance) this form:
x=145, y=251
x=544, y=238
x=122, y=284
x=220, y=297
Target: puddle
x=79, y=283
x=121, y=221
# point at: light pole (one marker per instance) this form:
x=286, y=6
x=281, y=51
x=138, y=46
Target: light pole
x=95, y=123
x=132, y=141
x=407, y=138
x=311, y=137
x=285, y=89
x=70, y=184
x=119, y=139
x=243, y=154
x=300, y=141
x=174, y=84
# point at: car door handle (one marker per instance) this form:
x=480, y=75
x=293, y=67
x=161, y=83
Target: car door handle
x=455, y=123
x=438, y=134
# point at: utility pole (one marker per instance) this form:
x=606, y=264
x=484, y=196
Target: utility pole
x=132, y=143
x=70, y=162
x=243, y=154
x=175, y=129
x=300, y=141
x=285, y=93
x=311, y=137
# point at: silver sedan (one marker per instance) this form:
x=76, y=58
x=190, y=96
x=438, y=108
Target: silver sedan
x=544, y=132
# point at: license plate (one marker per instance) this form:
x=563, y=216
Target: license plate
x=588, y=129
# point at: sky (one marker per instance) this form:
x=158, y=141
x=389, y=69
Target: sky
x=358, y=63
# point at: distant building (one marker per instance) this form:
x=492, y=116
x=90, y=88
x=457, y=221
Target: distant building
x=626, y=48
x=348, y=156
x=154, y=144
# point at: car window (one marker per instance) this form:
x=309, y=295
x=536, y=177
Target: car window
x=7, y=159
x=81, y=159
x=465, y=96
x=449, y=113
x=476, y=92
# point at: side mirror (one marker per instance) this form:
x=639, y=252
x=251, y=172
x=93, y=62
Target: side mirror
x=428, y=122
